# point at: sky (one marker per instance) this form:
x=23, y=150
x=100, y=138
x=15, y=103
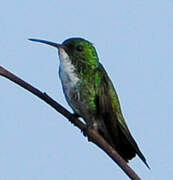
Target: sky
x=134, y=42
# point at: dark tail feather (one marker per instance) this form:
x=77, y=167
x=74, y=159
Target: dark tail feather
x=141, y=156
x=126, y=147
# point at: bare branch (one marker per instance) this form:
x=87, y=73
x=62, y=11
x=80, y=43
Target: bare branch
x=92, y=134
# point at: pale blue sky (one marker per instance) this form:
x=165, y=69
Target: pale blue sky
x=134, y=41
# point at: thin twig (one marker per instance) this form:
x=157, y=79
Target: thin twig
x=92, y=134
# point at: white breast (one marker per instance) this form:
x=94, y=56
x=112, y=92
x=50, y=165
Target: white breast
x=67, y=71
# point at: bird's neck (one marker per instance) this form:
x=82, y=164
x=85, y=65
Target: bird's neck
x=72, y=67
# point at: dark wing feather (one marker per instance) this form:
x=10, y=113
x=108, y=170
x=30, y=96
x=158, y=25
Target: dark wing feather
x=110, y=112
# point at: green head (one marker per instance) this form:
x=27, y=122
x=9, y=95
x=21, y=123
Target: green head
x=79, y=50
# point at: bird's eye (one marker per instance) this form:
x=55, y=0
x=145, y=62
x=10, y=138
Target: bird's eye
x=79, y=48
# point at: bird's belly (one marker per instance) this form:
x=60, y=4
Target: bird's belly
x=75, y=93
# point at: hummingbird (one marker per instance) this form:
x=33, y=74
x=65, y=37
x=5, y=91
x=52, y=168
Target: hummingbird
x=91, y=94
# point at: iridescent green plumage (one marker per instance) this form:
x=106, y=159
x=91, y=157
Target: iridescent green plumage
x=91, y=94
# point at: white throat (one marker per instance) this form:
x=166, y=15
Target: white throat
x=67, y=71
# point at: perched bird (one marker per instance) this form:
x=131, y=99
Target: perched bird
x=91, y=94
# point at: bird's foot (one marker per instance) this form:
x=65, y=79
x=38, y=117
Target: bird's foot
x=85, y=131
x=88, y=128
x=76, y=115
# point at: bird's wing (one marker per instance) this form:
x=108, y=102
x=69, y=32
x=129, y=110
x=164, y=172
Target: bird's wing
x=109, y=108
x=109, y=102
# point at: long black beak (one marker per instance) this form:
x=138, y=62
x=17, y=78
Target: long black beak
x=47, y=42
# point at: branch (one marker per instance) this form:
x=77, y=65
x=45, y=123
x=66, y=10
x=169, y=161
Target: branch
x=92, y=134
